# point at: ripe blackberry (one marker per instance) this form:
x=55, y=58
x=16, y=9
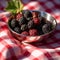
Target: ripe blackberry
x=46, y=28
x=33, y=32
x=17, y=29
x=25, y=33
x=30, y=24
x=24, y=27
x=14, y=23
x=22, y=20
x=27, y=14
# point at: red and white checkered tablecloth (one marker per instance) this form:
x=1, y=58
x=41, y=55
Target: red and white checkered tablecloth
x=12, y=49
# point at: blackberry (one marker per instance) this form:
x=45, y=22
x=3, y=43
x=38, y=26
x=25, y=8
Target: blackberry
x=27, y=14
x=17, y=29
x=24, y=27
x=14, y=23
x=46, y=28
x=22, y=20
x=31, y=24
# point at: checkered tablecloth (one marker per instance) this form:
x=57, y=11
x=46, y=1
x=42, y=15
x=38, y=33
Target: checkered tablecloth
x=12, y=49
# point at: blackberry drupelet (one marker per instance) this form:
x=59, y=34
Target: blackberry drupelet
x=27, y=14
x=30, y=18
x=46, y=28
x=24, y=27
x=22, y=21
x=31, y=24
x=14, y=23
x=17, y=29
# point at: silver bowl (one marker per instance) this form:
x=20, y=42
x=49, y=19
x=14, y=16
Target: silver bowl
x=23, y=38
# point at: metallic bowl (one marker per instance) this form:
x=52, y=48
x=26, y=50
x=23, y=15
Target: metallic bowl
x=23, y=38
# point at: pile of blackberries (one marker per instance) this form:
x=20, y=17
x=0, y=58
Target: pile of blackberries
x=31, y=24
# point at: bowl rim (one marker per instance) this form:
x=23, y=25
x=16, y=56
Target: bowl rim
x=36, y=35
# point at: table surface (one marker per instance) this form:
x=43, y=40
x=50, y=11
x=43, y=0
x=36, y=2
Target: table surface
x=11, y=48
